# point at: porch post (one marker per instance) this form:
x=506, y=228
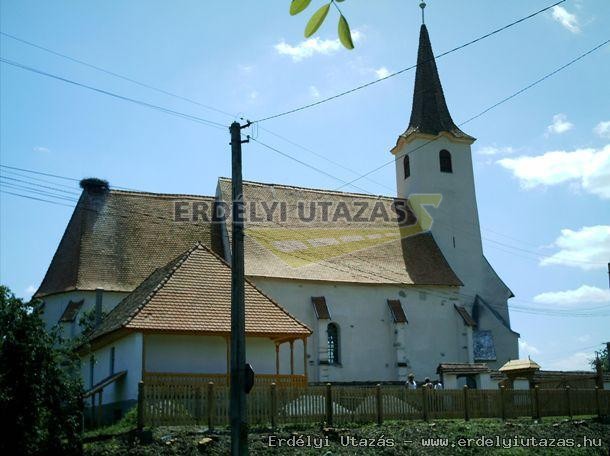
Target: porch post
x=305, y=356
x=228, y=345
x=277, y=358
x=292, y=357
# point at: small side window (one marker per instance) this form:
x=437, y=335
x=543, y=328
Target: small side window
x=406, y=166
x=332, y=332
x=444, y=158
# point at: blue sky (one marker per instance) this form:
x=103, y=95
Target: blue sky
x=542, y=160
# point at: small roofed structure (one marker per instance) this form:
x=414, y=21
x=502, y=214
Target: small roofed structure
x=520, y=368
x=473, y=375
x=176, y=327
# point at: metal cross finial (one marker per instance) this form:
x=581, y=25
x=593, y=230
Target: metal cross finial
x=422, y=5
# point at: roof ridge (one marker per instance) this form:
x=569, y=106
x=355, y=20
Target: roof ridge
x=156, y=194
x=309, y=189
x=180, y=259
x=206, y=248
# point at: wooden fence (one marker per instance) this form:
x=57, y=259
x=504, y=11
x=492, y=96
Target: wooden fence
x=180, y=403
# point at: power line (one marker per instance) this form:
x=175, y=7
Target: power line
x=207, y=122
x=180, y=97
x=195, y=102
x=116, y=75
x=347, y=92
x=301, y=162
x=504, y=100
x=56, y=176
x=40, y=173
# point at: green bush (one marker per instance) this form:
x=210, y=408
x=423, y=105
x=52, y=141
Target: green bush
x=40, y=386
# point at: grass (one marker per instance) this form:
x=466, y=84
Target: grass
x=406, y=436
x=124, y=425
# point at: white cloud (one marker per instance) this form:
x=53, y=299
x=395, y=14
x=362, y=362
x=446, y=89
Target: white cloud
x=41, y=149
x=527, y=349
x=587, y=248
x=584, y=338
x=602, y=129
x=382, y=72
x=560, y=124
x=589, y=169
x=577, y=361
x=582, y=295
x=494, y=150
x=565, y=18
x=247, y=69
x=253, y=95
x=29, y=291
x=314, y=92
x=312, y=46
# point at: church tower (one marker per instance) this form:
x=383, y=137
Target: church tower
x=433, y=156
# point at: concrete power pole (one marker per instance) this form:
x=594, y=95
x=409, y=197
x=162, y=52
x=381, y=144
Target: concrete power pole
x=239, y=428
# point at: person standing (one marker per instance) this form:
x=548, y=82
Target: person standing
x=411, y=382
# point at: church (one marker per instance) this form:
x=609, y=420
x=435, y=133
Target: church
x=337, y=290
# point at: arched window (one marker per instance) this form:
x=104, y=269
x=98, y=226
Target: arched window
x=406, y=166
x=333, y=343
x=444, y=158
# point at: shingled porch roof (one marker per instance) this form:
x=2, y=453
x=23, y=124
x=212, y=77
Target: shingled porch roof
x=192, y=294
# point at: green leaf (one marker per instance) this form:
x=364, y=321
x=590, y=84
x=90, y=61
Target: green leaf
x=316, y=20
x=345, y=35
x=298, y=5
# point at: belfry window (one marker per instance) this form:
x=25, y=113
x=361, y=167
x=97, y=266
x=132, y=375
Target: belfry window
x=333, y=343
x=406, y=166
x=444, y=158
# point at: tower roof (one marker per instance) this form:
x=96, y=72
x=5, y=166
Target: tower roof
x=429, y=114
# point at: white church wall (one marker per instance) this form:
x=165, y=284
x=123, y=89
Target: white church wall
x=434, y=333
x=54, y=306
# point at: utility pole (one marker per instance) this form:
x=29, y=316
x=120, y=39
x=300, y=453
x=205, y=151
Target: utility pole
x=239, y=428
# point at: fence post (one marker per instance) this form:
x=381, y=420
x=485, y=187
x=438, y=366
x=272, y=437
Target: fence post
x=537, y=412
x=424, y=395
x=198, y=403
x=210, y=406
x=598, y=403
x=329, y=405
x=466, y=406
x=140, y=423
x=273, y=405
x=502, y=404
x=569, y=401
x=379, y=404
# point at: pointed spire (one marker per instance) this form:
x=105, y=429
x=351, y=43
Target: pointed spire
x=429, y=113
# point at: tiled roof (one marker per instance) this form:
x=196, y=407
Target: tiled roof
x=468, y=321
x=462, y=368
x=429, y=112
x=115, y=239
x=337, y=250
x=519, y=364
x=192, y=293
